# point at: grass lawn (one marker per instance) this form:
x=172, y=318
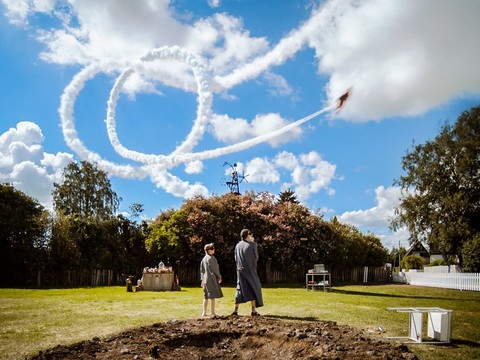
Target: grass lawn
x=31, y=320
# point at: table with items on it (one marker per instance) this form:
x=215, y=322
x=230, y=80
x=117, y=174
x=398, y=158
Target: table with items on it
x=318, y=278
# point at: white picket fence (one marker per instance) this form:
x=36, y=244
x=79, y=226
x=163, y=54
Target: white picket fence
x=459, y=281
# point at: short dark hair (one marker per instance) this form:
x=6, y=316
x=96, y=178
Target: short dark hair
x=244, y=233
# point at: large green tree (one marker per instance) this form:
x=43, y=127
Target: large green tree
x=85, y=191
x=23, y=228
x=86, y=232
x=349, y=247
x=440, y=203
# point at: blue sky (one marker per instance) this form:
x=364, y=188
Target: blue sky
x=160, y=94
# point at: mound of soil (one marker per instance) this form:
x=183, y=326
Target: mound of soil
x=234, y=338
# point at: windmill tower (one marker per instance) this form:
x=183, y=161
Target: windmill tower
x=235, y=179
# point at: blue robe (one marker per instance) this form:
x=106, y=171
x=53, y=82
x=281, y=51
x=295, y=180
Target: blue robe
x=248, y=282
x=210, y=274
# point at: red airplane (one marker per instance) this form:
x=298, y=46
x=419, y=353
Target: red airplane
x=341, y=100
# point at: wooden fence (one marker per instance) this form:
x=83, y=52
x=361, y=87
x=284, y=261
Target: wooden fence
x=364, y=275
x=353, y=275
x=459, y=281
x=76, y=278
x=191, y=277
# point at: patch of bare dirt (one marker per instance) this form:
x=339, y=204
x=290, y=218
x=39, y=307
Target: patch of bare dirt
x=236, y=338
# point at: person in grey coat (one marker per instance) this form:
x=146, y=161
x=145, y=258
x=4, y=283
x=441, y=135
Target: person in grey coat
x=248, y=282
x=211, y=279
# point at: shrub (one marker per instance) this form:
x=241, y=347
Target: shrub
x=438, y=263
x=412, y=262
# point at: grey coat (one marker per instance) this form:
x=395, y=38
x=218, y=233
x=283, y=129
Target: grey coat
x=248, y=282
x=210, y=274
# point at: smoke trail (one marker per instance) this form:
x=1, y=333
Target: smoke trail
x=157, y=166
x=285, y=49
x=204, y=95
x=67, y=124
x=166, y=161
x=209, y=154
x=158, y=174
x=203, y=110
x=203, y=115
x=176, y=158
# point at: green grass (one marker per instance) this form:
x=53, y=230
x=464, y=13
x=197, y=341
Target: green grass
x=31, y=320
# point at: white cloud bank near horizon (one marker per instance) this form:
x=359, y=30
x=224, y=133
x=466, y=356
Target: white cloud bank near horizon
x=25, y=164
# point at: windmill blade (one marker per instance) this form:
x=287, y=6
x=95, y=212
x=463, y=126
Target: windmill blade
x=243, y=177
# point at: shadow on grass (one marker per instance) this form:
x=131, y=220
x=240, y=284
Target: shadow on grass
x=283, y=286
x=396, y=296
x=454, y=344
x=288, y=317
x=457, y=343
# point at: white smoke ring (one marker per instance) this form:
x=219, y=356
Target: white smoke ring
x=203, y=109
x=71, y=137
x=161, y=163
x=67, y=124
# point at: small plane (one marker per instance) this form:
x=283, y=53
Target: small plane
x=341, y=100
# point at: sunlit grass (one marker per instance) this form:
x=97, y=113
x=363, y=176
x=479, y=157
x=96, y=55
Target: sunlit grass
x=32, y=320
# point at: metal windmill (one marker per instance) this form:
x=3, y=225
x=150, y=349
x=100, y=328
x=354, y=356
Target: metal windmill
x=235, y=179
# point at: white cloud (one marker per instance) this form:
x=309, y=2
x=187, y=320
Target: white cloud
x=214, y=3
x=378, y=216
x=377, y=219
x=175, y=186
x=267, y=123
x=300, y=176
x=19, y=10
x=261, y=171
x=312, y=174
x=308, y=173
x=55, y=163
x=286, y=160
x=194, y=167
x=231, y=130
x=401, y=57
x=24, y=163
x=120, y=29
x=229, y=45
x=278, y=85
x=397, y=239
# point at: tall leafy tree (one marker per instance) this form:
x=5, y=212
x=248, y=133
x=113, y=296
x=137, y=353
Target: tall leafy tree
x=349, y=247
x=167, y=238
x=395, y=255
x=85, y=191
x=440, y=202
x=23, y=228
x=85, y=225
x=64, y=253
